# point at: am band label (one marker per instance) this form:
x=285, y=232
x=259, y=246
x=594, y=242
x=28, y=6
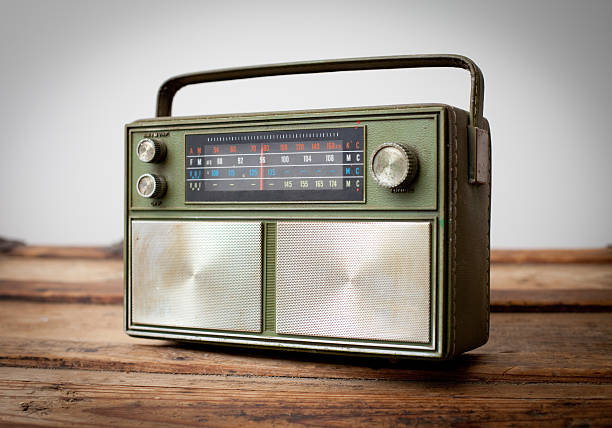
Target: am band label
x=297, y=165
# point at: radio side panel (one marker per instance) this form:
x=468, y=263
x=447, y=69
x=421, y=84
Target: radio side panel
x=468, y=244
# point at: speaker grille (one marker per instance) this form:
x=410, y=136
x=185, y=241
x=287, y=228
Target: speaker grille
x=362, y=280
x=197, y=274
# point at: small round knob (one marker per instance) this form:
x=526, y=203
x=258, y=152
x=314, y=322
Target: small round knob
x=151, y=186
x=149, y=150
x=394, y=165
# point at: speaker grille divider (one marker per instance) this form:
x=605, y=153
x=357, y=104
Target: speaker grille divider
x=270, y=276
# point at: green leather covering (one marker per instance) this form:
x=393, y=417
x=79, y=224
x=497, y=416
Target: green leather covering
x=442, y=194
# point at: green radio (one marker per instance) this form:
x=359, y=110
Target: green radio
x=358, y=231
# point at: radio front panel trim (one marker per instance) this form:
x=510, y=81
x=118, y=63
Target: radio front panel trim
x=338, y=346
x=418, y=129
x=432, y=211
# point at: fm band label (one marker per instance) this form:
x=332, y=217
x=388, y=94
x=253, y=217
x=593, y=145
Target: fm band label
x=296, y=165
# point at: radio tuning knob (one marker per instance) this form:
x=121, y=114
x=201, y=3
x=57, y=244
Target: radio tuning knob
x=394, y=165
x=151, y=151
x=151, y=186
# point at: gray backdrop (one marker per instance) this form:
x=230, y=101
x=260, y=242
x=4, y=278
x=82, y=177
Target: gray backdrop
x=74, y=72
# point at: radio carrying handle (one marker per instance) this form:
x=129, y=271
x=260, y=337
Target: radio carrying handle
x=478, y=135
x=171, y=86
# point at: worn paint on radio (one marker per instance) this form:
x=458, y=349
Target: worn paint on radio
x=430, y=130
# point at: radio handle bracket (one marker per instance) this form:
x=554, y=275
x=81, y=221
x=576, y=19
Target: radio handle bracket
x=478, y=136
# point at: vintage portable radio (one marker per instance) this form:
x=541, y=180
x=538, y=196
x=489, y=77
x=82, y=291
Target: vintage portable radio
x=360, y=231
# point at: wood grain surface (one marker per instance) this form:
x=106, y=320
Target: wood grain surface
x=572, y=256
x=514, y=287
x=78, y=398
x=49, y=251
x=519, y=350
x=65, y=360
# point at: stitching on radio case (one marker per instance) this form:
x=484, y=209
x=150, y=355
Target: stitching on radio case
x=454, y=233
x=476, y=107
x=486, y=303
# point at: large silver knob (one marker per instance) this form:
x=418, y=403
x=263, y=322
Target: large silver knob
x=151, y=186
x=149, y=150
x=394, y=165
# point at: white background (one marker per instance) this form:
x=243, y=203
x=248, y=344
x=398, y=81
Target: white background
x=74, y=72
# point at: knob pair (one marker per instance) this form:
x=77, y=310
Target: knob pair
x=151, y=185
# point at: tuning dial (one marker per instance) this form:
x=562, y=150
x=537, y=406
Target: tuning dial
x=149, y=150
x=394, y=165
x=151, y=186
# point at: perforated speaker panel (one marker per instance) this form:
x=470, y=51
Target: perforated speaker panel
x=361, y=280
x=197, y=274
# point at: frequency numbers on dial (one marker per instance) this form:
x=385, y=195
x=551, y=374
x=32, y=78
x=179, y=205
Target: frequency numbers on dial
x=260, y=166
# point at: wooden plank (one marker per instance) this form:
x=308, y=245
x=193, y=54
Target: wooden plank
x=523, y=347
x=561, y=300
x=114, y=251
x=551, y=287
x=77, y=398
x=111, y=292
x=103, y=292
x=589, y=256
x=61, y=279
x=514, y=287
x=69, y=270
x=530, y=277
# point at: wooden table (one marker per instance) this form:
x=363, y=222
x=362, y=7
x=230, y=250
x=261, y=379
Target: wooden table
x=64, y=359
